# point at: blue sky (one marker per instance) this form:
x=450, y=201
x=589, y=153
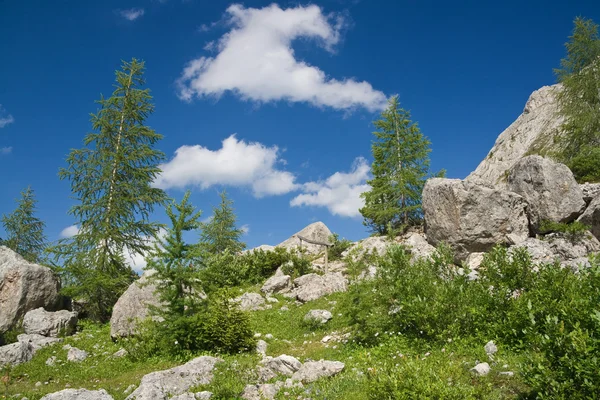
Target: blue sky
x=298, y=84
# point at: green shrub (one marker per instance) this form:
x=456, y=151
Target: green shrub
x=10, y=336
x=338, y=247
x=260, y=264
x=574, y=231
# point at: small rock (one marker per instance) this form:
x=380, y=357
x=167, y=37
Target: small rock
x=120, y=353
x=76, y=355
x=283, y=364
x=506, y=373
x=314, y=370
x=268, y=336
x=51, y=361
x=491, y=349
x=129, y=389
x=481, y=369
x=319, y=316
x=261, y=348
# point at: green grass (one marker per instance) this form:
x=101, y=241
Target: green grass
x=396, y=366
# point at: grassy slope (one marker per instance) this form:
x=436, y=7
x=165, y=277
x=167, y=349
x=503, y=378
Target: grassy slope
x=409, y=365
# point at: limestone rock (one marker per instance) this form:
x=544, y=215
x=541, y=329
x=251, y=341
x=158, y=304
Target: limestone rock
x=52, y=324
x=37, y=341
x=590, y=191
x=265, y=391
x=490, y=349
x=472, y=218
x=261, y=348
x=373, y=244
x=556, y=248
x=161, y=385
x=317, y=231
x=481, y=369
x=532, y=132
x=15, y=353
x=205, y=395
x=418, y=245
x=591, y=216
x=320, y=316
x=132, y=307
x=548, y=187
x=250, y=302
x=314, y=370
x=312, y=286
x=282, y=365
x=276, y=284
x=24, y=286
x=76, y=355
x=79, y=394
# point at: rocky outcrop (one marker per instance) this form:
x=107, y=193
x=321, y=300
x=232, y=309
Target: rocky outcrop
x=52, y=324
x=79, y=394
x=317, y=231
x=162, y=385
x=132, y=307
x=555, y=248
x=590, y=191
x=418, y=245
x=472, y=218
x=312, y=286
x=549, y=188
x=277, y=283
x=282, y=365
x=37, y=341
x=591, y=216
x=372, y=245
x=15, y=353
x=315, y=370
x=532, y=133
x=250, y=302
x=24, y=286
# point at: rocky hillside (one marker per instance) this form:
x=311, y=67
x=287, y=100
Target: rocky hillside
x=532, y=133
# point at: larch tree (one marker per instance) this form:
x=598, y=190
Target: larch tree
x=220, y=232
x=400, y=169
x=111, y=179
x=579, y=102
x=24, y=231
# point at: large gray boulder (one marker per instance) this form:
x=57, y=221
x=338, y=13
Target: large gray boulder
x=79, y=394
x=591, y=216
x=312, y=286
x=37, y=341
x=15, y=353
x=282, y=365
x=472, y=218
x=317, y=231
x=532, y=132
x=53, y=324
x=276, y=283
x=133, y=306
x=314, y=370
x=162, y=385
x=24, y=286
x=250, y=302
x=549, y=188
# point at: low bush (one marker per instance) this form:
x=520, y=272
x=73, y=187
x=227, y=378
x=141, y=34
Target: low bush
x=573, y=231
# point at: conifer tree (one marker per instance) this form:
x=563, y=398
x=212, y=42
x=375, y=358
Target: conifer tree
x=220, y=233
x=25, y=232
x=579, y=102
x=111, y=179
x=400, y=168
x=176, y=263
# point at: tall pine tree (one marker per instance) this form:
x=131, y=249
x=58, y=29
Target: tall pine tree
x=400, y=168
x=25, y=232
x=111, y=179
x=220, y=233
x=579, y=102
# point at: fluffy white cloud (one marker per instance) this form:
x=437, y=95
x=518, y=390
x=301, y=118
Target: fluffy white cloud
x=340, y=193
x=69, y=231
x=5, y=150
x=236, y=163
x=256, y=61
x=132, y=14
x=5, y=118
x=137, y=261
x=245, y=229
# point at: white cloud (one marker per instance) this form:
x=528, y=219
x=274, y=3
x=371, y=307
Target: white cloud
x=5, y=150
x=132, y=14
x=236, y=163
x=5, y=118
x=340, y=193
x=245, y=229
x=69, y=231
x=256, y=61
x=137, y=261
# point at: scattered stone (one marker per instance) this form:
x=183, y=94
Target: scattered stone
x=269, y=336
x=481, y=369
x=51, y=361
x=282, y=365
x=37, y=341
x=250, y=302
x=316, y=231
x=76, y=355
x=79, y=394
x=175, y=381
x=24, y=287
x=51, y=324
x=276, y=284
x=262, y=391
x=133, y=306
x=472, y=218
x=272, y=300
x=314, y=370
x=372, y=244
x=120, y=353
x=129, y=389
x=507, y=373
x=549, y=188
x=15, y=353
x=319, y=316
x=312, y=286
x=204, y=395
x=490, y=349
x=261, y=348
